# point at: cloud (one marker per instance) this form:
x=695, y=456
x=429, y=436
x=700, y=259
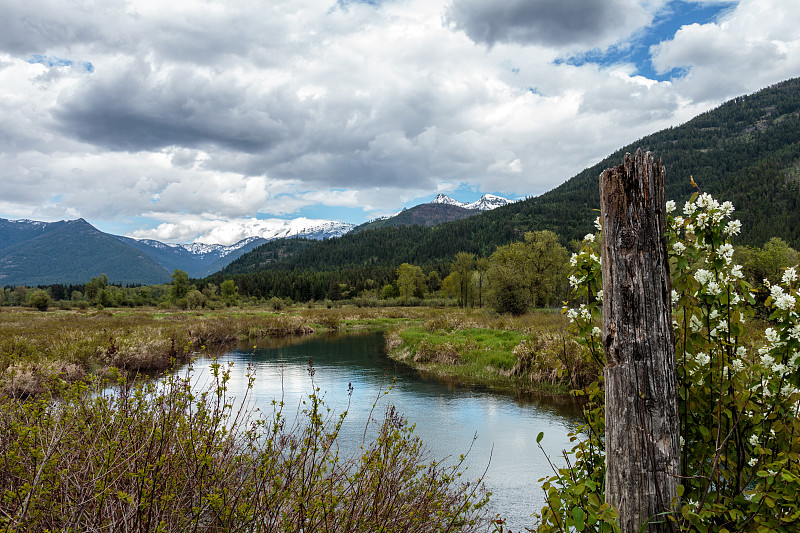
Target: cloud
x=567, y=24
x=201, y=113
x=754, y=45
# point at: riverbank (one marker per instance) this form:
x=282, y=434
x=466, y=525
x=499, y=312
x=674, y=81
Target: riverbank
x=532, y=353
x=528, y=354
x=41, y=349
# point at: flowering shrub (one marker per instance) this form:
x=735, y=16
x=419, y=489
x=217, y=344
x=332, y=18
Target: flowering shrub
x=739, y=404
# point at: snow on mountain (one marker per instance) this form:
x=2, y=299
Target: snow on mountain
x=487, y=202
x=220, y=250
x=446, y=200
x=269, y=229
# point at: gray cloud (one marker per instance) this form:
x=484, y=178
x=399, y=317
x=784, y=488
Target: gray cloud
x=140, y=109
x=550, y=23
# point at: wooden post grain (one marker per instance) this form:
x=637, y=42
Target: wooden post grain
x=642, y=426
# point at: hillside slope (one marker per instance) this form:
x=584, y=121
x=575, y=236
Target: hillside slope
x=747, y=151
x=72, y=251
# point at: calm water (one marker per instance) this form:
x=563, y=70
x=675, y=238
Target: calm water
x=446, y=417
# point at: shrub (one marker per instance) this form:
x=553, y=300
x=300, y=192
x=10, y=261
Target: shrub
x=39, y=300
x=169, y=458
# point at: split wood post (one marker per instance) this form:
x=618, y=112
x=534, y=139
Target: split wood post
x=642, y=425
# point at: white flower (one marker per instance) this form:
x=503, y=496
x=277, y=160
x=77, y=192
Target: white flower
x=670, y=206
x=572, y=314
x=597, y=224
x=726, y=251
x=703, y=276
x=589, y=237
x=789, y=275
x=573, y=281
x=775, y=292
x=573, y=261
x=600, y=295
x=675, y=297
x=753, y=440
x=753, y=461
x=702, y=359
x=683, y=442
x=679, y=221
x=713, y=288
x=785, y=302
x=727, y=209
x=596, y=332
x=741, y=351
x=772, y=336
x=779, y=369
x=733, y=227
x=695, y=324
x=736, y=271
x=679, y=248
x=689, y=208
x=737, y=365
x=767, y=360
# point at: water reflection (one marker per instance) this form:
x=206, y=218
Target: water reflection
x=446, y=416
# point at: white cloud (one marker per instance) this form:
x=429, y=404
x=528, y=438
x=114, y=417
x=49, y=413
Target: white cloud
x=755, y=45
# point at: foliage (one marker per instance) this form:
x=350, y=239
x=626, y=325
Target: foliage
x=167, y=457
x=180, y=286
x=528, y=273
x=528, y=353
x=461, y=270
x=411, y=282
x=39, y=300
x=738, y=403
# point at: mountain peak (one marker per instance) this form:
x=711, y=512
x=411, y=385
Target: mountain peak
x=485, y=203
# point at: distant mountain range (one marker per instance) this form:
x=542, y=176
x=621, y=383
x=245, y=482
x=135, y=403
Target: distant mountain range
x=73, y=251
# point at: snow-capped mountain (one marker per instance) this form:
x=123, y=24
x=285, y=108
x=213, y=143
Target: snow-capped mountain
x=232, y=233
x=205, y=256
x=487, y=202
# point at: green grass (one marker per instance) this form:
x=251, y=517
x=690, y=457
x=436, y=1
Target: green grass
x=531, y=353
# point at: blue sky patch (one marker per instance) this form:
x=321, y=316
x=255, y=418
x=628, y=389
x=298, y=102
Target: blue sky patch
x=637, y=50
x=52, y=61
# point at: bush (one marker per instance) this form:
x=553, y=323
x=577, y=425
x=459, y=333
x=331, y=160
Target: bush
x=276, y=304
x=39, y=300
x=168, y=458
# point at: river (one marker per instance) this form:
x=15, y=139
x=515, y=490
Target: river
x=446, y=416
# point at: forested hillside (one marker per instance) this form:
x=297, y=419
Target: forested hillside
x=421, y=215
x=746, y=151
x=71, y=252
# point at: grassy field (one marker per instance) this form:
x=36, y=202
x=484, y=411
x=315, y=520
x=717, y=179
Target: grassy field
x=39, y=349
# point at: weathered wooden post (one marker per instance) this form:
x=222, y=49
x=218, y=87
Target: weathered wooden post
x=642, y=426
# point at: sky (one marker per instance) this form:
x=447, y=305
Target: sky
x=184, y=119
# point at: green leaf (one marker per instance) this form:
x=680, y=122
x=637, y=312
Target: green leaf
x=577, y=514
x=539, y=437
